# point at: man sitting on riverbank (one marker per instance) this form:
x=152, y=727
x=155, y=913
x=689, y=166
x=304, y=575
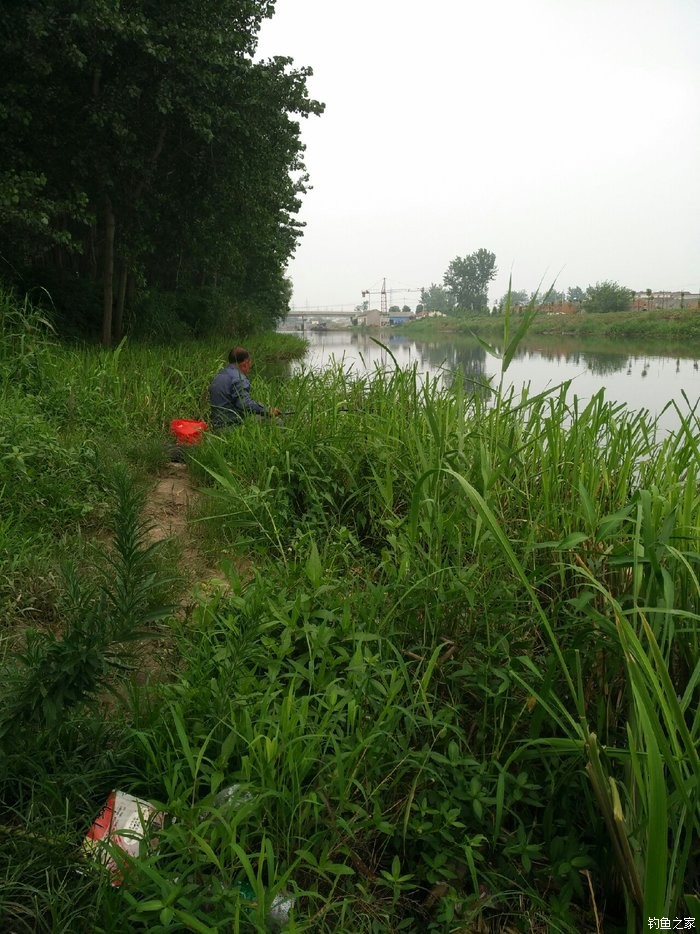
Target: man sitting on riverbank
x=229, y=393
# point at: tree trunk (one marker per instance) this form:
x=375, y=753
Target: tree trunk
x=158, y=148
x=121, y=297
x=108, y=274
x=130, y=290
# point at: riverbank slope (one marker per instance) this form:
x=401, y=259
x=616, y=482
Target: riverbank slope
x=667, y=326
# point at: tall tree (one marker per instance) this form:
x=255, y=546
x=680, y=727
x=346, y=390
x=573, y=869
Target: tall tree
x=550, y=297
x=517, y=297
x=467, y=279
x=435, y=298
x=141, y=143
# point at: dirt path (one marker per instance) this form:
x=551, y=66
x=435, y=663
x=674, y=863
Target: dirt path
x=167, y=503
x=166, y=512
x=167, y=509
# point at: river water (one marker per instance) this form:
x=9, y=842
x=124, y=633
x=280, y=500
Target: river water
x=629, y=374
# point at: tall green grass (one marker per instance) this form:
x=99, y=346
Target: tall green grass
x=458, y=691
x=550, y=541
x=68, y=413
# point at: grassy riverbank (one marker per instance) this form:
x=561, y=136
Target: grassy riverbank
x=670, y=326
x=458, y=687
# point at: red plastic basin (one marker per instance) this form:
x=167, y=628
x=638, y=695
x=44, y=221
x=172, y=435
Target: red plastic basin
x=187, y=430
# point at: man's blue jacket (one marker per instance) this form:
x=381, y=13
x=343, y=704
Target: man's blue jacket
x=229, y=395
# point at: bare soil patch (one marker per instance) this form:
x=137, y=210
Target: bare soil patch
x=166, y=512
x=166, y=504
x=168, y=508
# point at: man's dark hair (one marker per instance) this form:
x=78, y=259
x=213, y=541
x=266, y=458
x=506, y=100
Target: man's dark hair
x=237, y=355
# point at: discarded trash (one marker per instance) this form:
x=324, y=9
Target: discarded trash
x=280, y=908
x=278, y=914
x=245, y=890
x=187, y=430
x=124, y=822
x=130, y=824
x=232, y=794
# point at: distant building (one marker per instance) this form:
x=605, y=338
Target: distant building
x=557, y=308
x=401, y=317
x=643, y=301
x=373, y=318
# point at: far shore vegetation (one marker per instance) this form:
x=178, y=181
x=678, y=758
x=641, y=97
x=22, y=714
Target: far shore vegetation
x=655, y=326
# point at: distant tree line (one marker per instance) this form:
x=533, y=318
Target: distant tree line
x=464, y=290
x=148, y=166
x=603, y=297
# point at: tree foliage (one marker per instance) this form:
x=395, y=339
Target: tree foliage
x=435, y=298
x=467, y=279
x=142, y=148
x=517, y=297
x=550, y=297
x=607, y=296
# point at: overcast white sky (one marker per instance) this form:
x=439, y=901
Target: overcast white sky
x=562, y=135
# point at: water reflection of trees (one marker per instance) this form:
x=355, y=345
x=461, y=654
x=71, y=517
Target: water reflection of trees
x=465, y=360
x=599, y=362
x=470, y=358
x=461, y=360
x=454, y=357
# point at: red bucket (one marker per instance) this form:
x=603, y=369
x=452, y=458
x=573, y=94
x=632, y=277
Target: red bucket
x=187, y=430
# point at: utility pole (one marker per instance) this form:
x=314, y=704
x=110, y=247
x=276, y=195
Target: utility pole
x=383, y=307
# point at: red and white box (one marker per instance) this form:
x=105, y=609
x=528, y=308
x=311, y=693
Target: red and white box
x=125, y=822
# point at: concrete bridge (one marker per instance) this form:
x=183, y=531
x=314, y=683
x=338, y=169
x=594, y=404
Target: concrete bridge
x=371, y=317
x=322, y=313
